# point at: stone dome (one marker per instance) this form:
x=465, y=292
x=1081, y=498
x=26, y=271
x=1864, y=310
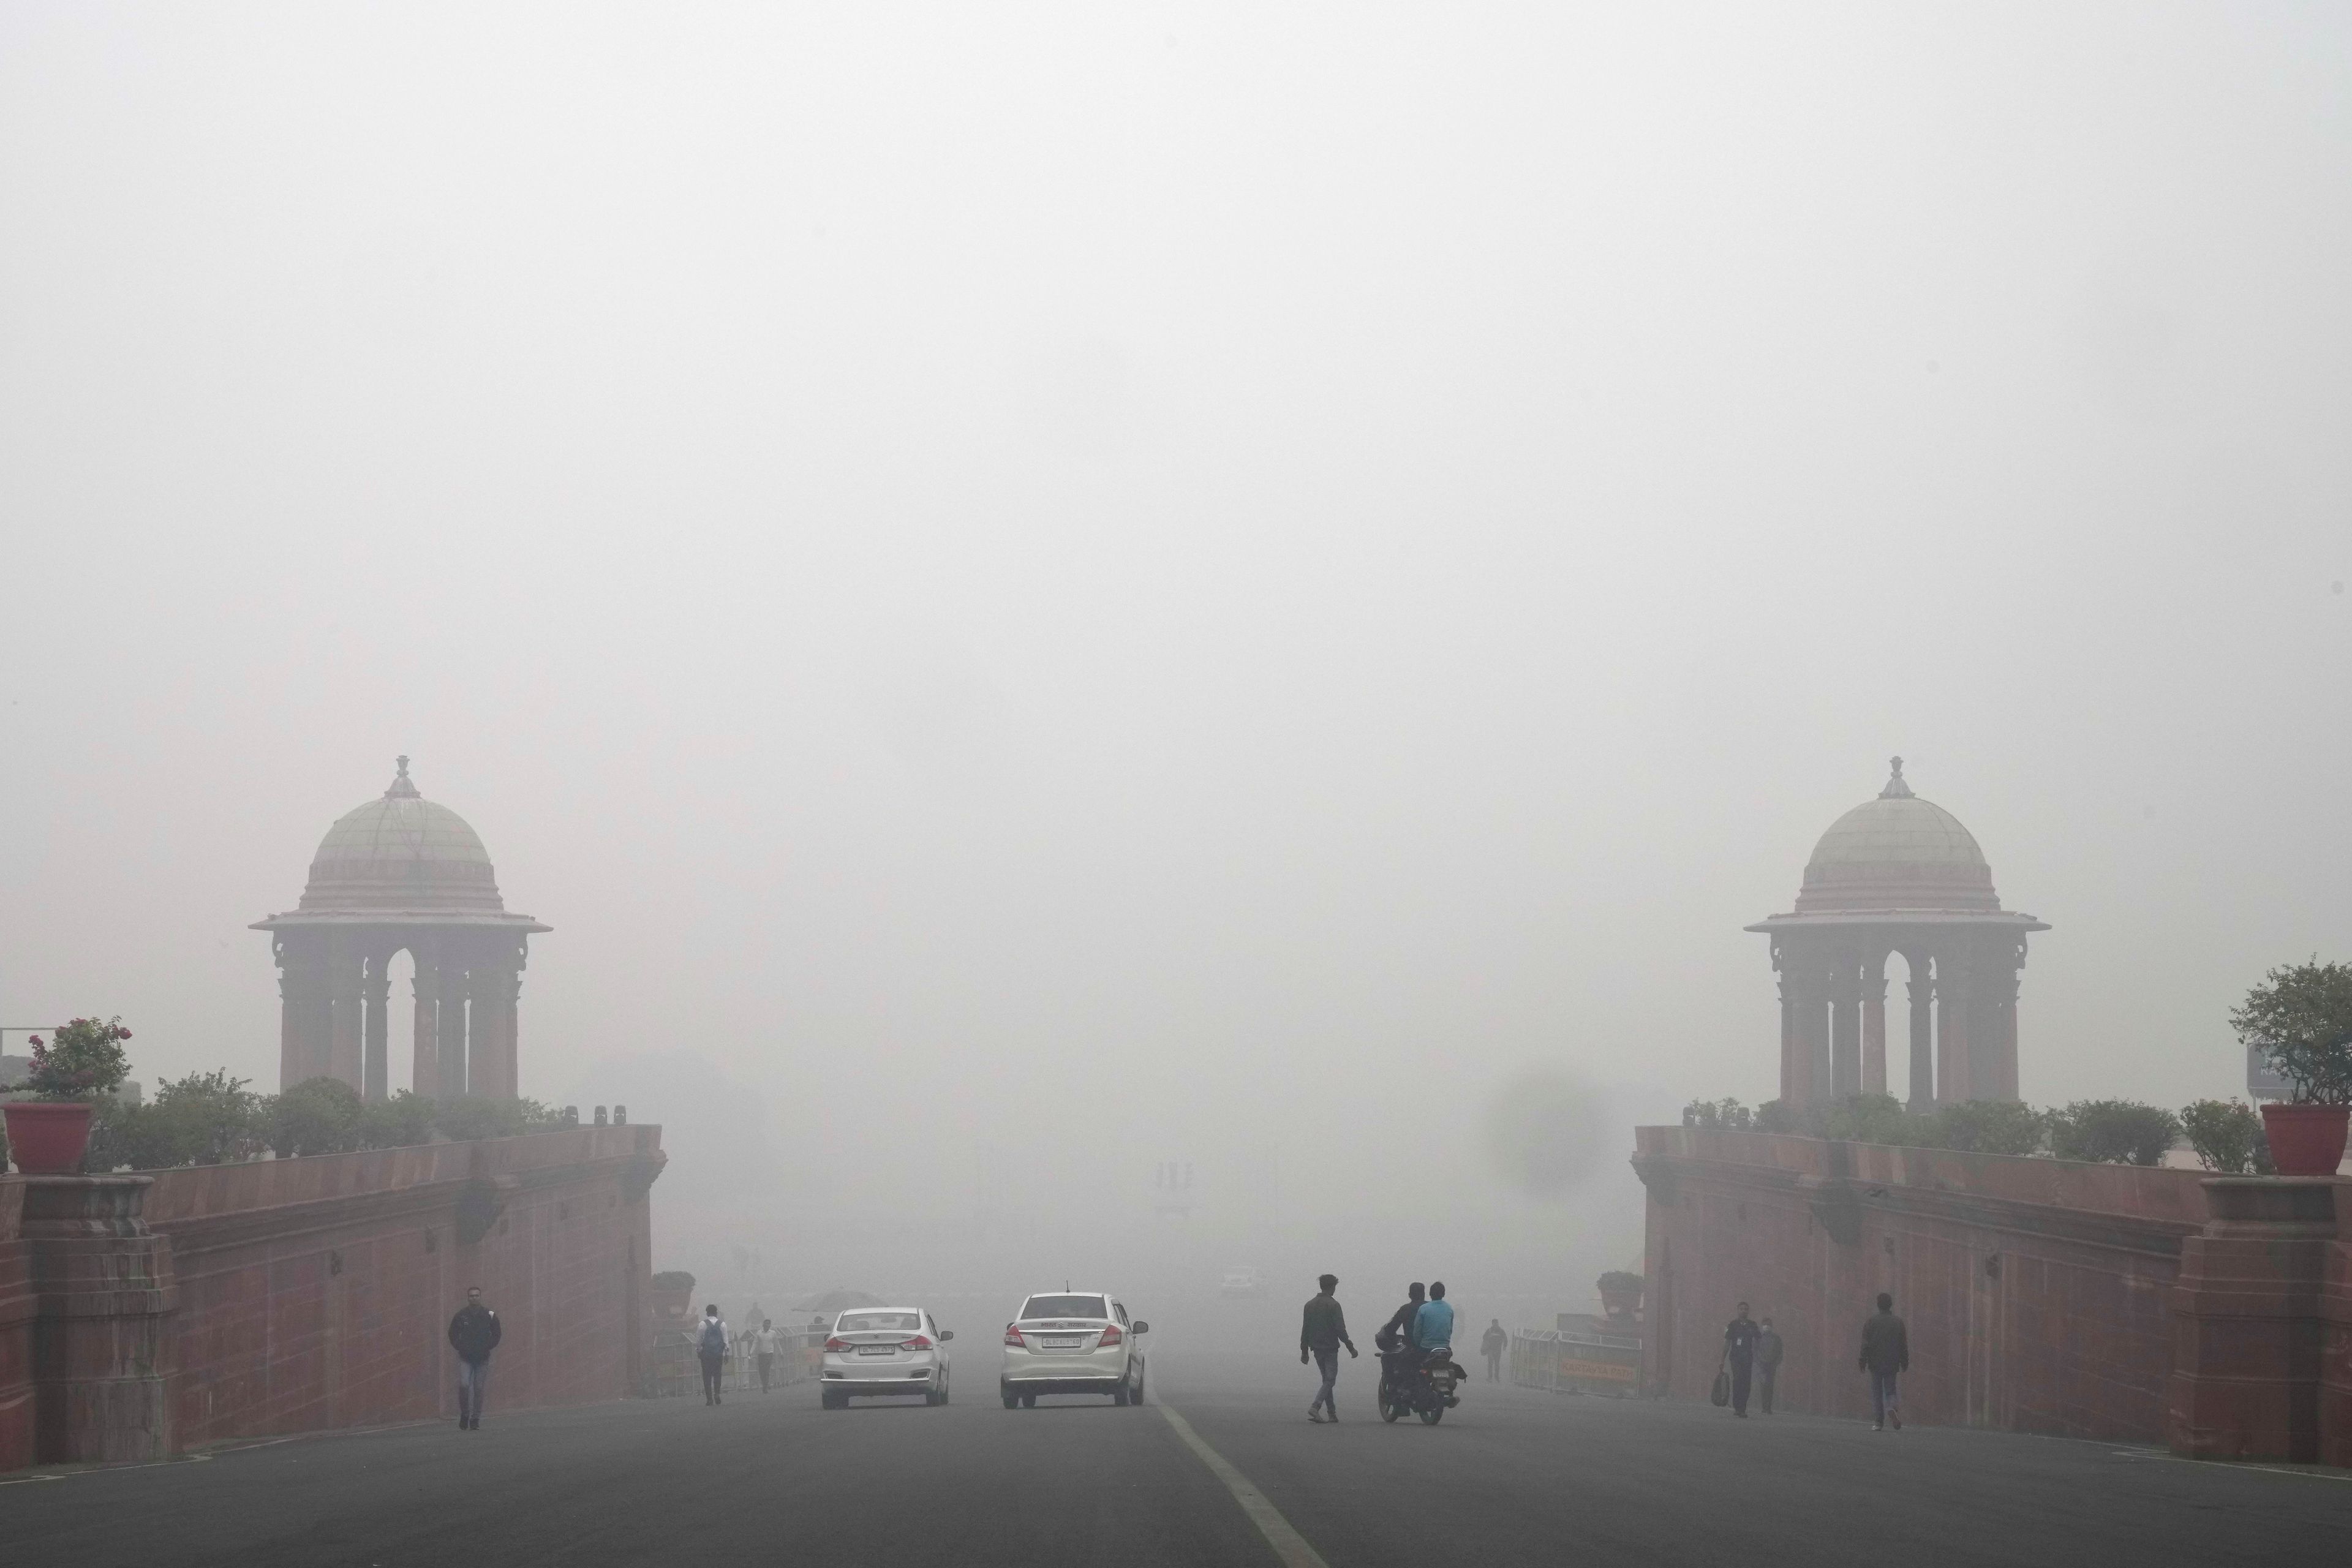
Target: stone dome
x=402, y=852
x=1897, y=852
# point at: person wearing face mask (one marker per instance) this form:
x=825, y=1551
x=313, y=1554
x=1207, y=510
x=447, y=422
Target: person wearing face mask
x=1768, y=1364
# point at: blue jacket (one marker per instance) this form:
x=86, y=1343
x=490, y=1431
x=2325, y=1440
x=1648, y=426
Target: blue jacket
x=1432, y=1326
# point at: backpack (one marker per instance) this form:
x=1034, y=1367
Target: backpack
x=714, y=1338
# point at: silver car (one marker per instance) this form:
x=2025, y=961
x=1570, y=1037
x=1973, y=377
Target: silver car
x=1073, y=1341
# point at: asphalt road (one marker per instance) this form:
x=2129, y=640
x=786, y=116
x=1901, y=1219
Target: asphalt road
x=1514, y=1476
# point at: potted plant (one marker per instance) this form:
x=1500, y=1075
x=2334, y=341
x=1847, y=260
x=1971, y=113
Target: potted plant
x=49, y=1131
x=1620, y=1293
x=2301, y=1017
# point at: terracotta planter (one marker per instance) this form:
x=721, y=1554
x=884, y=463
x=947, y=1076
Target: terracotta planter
x=1620, y=1303
x=2305, y=1139
x=46, y=1138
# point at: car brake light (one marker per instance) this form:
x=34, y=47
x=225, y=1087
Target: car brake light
x=837, y=1343
x=1110, y=1336
x=1012, y=1336
x=920, y=1343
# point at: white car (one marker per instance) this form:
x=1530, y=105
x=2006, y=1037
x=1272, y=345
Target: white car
x=1073, y=1341
x=885, y=1351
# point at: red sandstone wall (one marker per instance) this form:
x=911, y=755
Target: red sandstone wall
x=2037, y=1292
x=317, y=1292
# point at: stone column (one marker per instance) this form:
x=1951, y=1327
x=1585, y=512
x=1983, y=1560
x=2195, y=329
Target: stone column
x=344, y=977
x=1952, y=1080
x=104, y=1282
x=449, y=1081
x=375, y=990
x=425, y=1065
x=1807, y=986
x=305, y=1006
x=1845, y=1027
x=2247, y=1321
x=1923, y=1029
x=1874, y=1025
x=497, y=984
x=1997, y=1011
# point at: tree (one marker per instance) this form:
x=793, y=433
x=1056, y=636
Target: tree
x=2113, y=1131
x=2301, y=1017
x=82, y=1059
x=1984, y=1126
x=2227, y=1137
x=317, y=1116
x=208, y=1119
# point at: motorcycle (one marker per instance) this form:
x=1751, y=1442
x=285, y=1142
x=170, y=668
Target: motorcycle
x=1426, y=1390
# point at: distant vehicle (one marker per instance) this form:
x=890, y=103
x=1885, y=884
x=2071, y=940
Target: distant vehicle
x=884, y=1351
x=1073, y=1341
x=1239, y=1281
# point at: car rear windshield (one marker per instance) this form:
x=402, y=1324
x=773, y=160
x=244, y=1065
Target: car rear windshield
x=869, y=1322
x=1065, y=1307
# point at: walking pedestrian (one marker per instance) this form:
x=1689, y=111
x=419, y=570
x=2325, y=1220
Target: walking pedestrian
x=1494, y=1344
x=1768, y=1365
x=1322, y=1330
x=474, y=1333
x=1739, y=1350
x=763, y=1345
x=711, y=1346
x=1885, y=1355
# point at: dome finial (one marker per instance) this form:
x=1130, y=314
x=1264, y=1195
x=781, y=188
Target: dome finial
x=1896, y=788
x=401, y=789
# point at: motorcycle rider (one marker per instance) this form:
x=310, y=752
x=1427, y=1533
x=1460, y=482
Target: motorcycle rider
x=1434, y=1332
x=1399, y=1354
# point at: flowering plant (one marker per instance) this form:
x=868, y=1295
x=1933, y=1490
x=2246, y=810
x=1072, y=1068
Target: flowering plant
x=82, y=1061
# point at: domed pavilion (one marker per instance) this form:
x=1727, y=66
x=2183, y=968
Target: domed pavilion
x=1898, y=874
x=400, y=874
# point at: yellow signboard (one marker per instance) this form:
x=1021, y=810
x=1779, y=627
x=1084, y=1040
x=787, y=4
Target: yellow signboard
x=1606, y=1372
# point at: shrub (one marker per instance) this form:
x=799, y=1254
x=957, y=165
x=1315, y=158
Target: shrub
x=1619, y=1280
x=1719, y=1113
x=82, y=1059
x=2301, y=1017
x=2227, y=1137
x=317, y=1116
x=395, y=1123
x=1983, y=1127
x=472, y=1116
x=1779, y=1116
x=2113, y=1131
x=207, y=1119
x=1869, y=1119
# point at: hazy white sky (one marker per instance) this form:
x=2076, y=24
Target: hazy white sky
x=1158, y=578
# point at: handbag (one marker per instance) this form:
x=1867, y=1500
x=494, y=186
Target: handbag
x=1720, y=1394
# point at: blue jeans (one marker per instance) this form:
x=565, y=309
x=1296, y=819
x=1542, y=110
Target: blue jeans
x=1327, y=1363
x=1883, y=1399
x=473, y=1382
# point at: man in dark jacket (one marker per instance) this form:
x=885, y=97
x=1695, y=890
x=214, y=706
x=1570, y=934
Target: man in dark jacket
x=1494, y=1344
x=1768, y=1365
x=474, y=1333
x=1739, y=1350
x=1321, y=1331
x=1394, y=1341
x=1885, y=1355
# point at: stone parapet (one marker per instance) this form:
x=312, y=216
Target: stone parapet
x=2248, y=1321
x=143, y=1315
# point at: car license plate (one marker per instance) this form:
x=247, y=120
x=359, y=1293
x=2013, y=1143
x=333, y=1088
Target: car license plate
x=1066, y=1342
x=875, y=1350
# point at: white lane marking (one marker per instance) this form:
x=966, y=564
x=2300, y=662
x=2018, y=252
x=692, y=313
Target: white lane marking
x=2316, y=1474
x=1288, y=1544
